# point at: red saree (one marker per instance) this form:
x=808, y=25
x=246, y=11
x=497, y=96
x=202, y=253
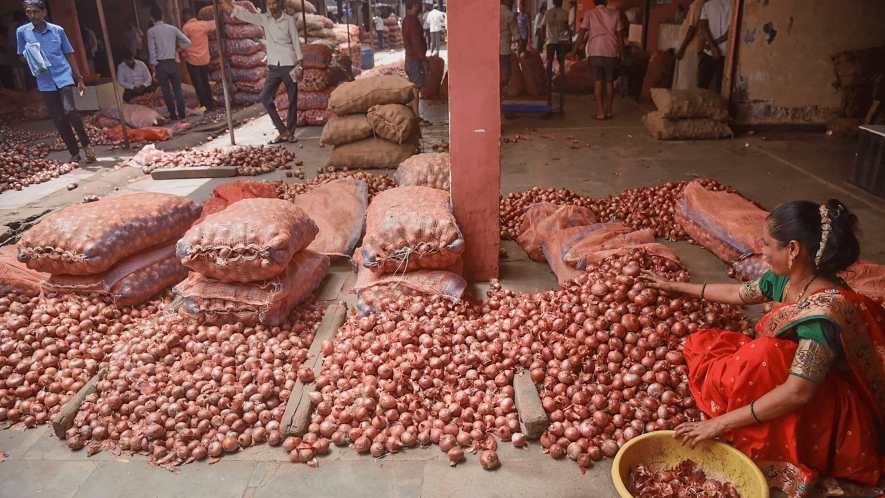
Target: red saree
x=837, y=433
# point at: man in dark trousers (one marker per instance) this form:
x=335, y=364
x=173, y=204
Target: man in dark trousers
x=283, y=55
x=197, y=56
x=416, y=52
x=57, y=82
x=163, y=48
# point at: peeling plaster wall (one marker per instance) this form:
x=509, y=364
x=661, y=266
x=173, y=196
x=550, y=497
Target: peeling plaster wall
x=785, y=72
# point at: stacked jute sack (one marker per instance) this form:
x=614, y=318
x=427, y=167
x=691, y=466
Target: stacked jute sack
x=688, y=115
x=318, y=27
x=393, y=33
x=121, y=249
x=569, y=239
x=529, y=77
x=248, y=53
x=412, y=247
x=349, y=48
x=321, y=76
x=250, y=263
x=373, y=126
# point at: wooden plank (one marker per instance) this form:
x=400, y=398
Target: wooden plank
x=197, y=172
x=532, y=417
x=299, y=408
x=65, y=418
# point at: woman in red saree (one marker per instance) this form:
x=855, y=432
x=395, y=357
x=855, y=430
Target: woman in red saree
x=806, y=397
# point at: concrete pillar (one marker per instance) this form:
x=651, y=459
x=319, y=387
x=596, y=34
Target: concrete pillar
x=475, y=130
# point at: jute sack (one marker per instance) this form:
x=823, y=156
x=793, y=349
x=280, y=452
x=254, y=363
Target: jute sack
x=358, y=96
x=685, y=129
x=314, y=22
x=370, y=153
x=342, y=130
x=300, y=5
x=695, y=103
x=394, y=122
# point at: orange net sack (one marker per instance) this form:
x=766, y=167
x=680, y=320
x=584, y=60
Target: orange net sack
x=339, y=210
x=86, y=239
x=372, y=289
x=16, y=277
x=544, y=219
x=212, y=301
x=602, y=237
x=866, y=278
x=252, y=239
x=408, y=228
x=132, y=281
x=426, y=170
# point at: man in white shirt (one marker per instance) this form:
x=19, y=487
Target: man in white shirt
x=163, y=50
x=715, y=23
x=379, y=29
x=435, y=20
x=283, y=56
x=509, y=34
x=134, y=77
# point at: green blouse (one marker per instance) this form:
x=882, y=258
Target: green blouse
x=818, y=336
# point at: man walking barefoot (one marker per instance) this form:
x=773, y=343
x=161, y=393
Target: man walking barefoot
x=57, y=82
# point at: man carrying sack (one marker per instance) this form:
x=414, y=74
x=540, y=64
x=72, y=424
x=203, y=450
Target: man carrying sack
x=283, y=56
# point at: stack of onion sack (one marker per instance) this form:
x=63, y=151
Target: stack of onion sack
x=247, y=49
x=349, y=48
x=393, y=33
x=434, y=77
x=119, y=249
x=606, y=353
x=321, y=76
x=318, y=28
x=15, y=276
x=425, y=170
x=417, y=372
x=380, y=130
x=412, y=246
x=181, y=392
x=687, y=115
x=249, y=263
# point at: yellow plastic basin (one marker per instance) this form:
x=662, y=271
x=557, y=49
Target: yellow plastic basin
x=658, y=450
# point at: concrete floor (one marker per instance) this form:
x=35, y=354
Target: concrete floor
x=621, y=156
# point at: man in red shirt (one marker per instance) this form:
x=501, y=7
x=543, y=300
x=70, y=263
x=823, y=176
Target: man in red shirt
x=416, y=51
x=197, y=56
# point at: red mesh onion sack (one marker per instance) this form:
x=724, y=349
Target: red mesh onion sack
x=534, y=76
x=269, y=301
x=316, y=56
x=208, y=13
x=727, y=217
x=132, y=281
x=86, y=239
x=252, y=239
x=339, y=210
x=434, y=77
x=425, y=170
x=314, y=100
x=602, y=237
x=313, y=80
x=516, y=86
x=247, y=61
x=318, y=117
x=373, y=288
x=544, y=219
x=16, y=277
x=408, y=228
x=866, y=278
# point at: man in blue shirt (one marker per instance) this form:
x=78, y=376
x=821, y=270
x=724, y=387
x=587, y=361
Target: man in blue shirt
x=57, y=82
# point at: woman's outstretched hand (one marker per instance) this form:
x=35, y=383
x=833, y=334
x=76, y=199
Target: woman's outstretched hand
x=654, y=280
x=698, y=431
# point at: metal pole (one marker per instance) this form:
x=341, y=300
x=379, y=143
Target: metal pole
x=304, y=20
x=107, y=44
x=135, y=9
x=222, y=52
x=372, y=28
x=349, y=51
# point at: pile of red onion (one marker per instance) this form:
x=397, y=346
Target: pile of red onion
x=685, y=479
x=23, y=164
x=376, y=183
x=646, y=207
x=250, y=160
x=180, y=392
x=606, y=353
x=420, y=372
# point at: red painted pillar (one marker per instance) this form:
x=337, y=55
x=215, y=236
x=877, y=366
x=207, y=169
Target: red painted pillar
x=475, y=129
